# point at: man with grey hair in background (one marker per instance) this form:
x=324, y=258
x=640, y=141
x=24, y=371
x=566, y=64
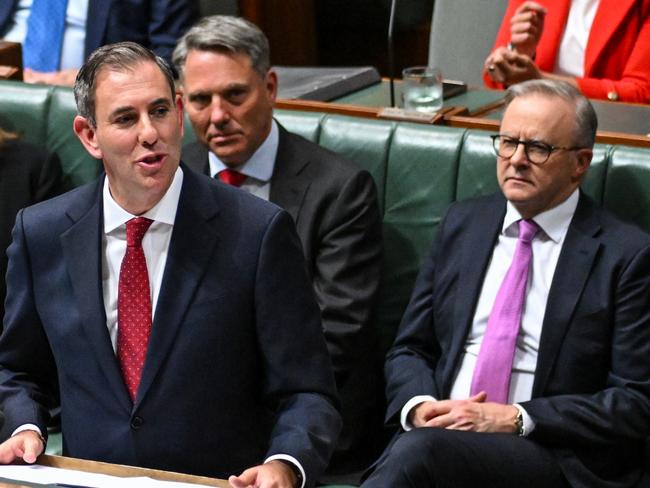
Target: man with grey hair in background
x=229, y=89
x=173, y=336
x=523, y=358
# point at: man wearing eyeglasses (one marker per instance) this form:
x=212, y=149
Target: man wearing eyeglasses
x=523, y=358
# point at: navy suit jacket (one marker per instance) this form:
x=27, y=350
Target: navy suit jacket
x=334, y=205
x=156, y=24
x=591, y=392
x=236, y=370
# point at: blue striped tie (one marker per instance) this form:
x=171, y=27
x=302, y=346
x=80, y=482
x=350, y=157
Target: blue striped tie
x=45, y=25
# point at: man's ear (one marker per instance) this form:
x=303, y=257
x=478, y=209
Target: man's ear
x=271, y=82
x=87, y=135
x=583, y=157
x=179, y=108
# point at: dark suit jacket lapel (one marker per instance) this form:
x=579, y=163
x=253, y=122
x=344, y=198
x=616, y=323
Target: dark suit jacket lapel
x=191, y=247
x=82, y=244
x=289, y=184
x=573, y=268
x=482, y=233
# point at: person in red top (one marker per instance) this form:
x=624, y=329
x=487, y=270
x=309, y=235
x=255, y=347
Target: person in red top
x=602, y=47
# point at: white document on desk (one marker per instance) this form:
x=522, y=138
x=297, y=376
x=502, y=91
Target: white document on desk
x=47, y=475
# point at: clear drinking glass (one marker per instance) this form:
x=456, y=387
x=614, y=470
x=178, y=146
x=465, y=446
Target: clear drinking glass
x=422, y=89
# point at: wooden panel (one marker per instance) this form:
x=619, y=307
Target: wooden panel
x=289, y=26
x=126, y=471
x=11, y=61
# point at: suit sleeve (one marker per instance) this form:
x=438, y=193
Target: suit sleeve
x=622, y=408
x=168, y=22
x=346, y=272
x=298, y=380
x=28, y=383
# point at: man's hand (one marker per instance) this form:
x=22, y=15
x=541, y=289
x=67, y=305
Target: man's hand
x=26, y=445
x=274, y=474
x=509, y=67
x=472, y=415
x=526, y=27
x=65, y=77
x=425, y=412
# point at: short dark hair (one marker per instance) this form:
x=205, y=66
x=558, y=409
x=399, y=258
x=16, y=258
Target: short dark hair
x=121, y=56
x=225, y=33
x=586, y=120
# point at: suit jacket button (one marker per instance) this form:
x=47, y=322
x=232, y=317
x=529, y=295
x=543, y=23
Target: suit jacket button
x=136, y=422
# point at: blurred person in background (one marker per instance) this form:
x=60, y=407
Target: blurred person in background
x=28, y=174
x=58, y=35
x=600, y=46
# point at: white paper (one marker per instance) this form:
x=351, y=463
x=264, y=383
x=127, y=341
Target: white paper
x=36, y=473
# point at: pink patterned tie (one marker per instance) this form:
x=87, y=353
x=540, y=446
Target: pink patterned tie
x=133, y=306
x=494, y=364
x=231, y=177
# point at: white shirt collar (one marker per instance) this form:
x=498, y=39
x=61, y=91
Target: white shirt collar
x=260, y=165
x=554, y=222
x=164, y=211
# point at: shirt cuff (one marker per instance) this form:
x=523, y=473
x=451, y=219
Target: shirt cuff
x=406, y=409
x=529, y=423
x=25, y=427
x=290, y=459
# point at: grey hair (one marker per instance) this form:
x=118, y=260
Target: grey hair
x=585, y=116
x=225, y=33
x=121, y=56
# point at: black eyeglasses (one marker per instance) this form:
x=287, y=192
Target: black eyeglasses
x=537, y=152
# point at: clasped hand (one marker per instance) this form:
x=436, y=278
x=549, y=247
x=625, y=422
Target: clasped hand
x=473, y=414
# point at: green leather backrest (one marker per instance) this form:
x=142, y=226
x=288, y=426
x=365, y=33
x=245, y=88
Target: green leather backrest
x=627, y=185
x=419, y=170
x=24, y=108
x=43, y=115
x=420, y=179
x=78, y=166
x=366, y=142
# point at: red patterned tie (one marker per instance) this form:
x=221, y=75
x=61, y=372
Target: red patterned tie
x=231, y=177
x=133, y=306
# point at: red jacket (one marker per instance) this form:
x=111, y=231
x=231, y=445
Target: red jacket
x=617, y=56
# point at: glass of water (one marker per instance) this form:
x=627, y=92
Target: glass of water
x=422, y=89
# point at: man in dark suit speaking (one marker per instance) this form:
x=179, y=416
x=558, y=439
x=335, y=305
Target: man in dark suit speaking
x=523, y=358
x=229, y=89
x=174, y=336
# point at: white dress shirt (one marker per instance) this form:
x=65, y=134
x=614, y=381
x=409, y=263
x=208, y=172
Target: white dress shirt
x=74, y=33
x=571, y=56
x=258, y=169
x=155, y=245
x=547, y=244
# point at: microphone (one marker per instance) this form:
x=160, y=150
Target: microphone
x=391, y=53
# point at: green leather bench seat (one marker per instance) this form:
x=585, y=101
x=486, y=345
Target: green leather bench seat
x=419, y=170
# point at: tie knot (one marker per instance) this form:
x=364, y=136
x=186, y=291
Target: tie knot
x=135, y=231
x=527, y=230
x=231, y=177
